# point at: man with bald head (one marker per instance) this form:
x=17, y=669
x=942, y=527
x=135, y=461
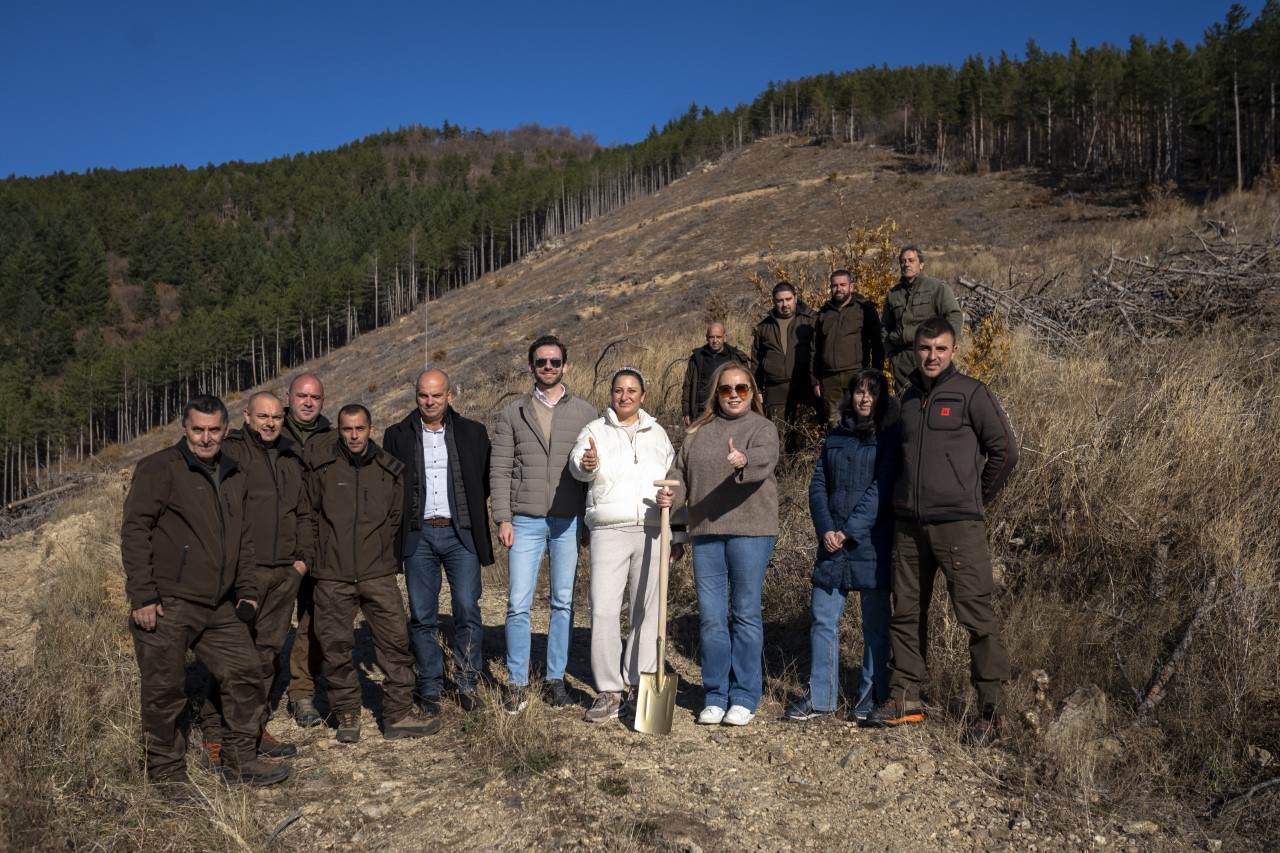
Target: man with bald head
x=278, y=514
x=703, y=362
x=310, y=432
x=445, y=526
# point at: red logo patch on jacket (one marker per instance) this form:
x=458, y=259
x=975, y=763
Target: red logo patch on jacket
x=945, y=412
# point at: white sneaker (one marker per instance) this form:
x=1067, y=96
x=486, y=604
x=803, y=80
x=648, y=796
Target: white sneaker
x=711, y=716
x=738, y=716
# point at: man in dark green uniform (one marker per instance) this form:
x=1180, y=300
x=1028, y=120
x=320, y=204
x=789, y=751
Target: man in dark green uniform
x=915, y=298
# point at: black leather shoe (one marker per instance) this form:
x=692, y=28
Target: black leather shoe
x=468, y=701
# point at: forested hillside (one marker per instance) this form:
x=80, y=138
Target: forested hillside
x=121, y=293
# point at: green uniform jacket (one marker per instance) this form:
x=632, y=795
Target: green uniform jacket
x=776, y=365
x=357, y=504
x=184, y=532
x=909, y=305
x=279, y=508
x=847, y=338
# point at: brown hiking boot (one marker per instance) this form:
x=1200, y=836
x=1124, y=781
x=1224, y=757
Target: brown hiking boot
x=271, y=747
x=211, y=756
x=412, y=724
x=986, y=730
x=178, y=791
x=348, y=728
x=896, y=712
x=257, y=772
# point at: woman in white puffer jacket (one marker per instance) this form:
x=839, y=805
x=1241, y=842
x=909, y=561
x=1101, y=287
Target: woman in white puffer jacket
x=620, y=455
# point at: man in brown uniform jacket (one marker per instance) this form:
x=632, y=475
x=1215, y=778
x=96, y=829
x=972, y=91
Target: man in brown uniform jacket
x=846, y=338
x=311, y=433
x=782, y=351
x=357, y=496
x=957, y=452
x=279, y=518
x=187, y=556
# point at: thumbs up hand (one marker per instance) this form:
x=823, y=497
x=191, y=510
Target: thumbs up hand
x=590, y=459
x=736, y=458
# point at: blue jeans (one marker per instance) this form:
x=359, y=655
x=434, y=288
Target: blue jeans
x=729, y=573
x=426, y=552
x=824, y=638
x=533, y=535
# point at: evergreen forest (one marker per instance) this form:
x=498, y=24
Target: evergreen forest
x=122, y=293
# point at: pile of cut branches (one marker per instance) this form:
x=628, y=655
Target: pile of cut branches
x=1205, y=279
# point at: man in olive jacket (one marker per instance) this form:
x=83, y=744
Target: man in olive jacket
x=958, y=450
x=538, y=505
x=189, y=565
x=280, y=525
x=311, y=433
x=445, y=526
x=915, y=298
x=846, y=338
x=357, y=497
x=782, y=348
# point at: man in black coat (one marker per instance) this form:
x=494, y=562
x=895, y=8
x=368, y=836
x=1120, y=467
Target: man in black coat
x=703, y=363
x=445, y=526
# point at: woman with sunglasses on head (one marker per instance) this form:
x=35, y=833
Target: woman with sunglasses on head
x=725, y=471
x=619, y=456
x=851, y=501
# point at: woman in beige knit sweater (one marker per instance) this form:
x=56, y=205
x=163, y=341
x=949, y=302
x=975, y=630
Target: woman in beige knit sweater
x=725, y=469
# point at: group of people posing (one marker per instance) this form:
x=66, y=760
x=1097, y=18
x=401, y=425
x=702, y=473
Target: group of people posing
x=224, y=532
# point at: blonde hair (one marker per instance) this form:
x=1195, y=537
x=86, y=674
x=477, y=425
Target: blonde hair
x=711, y=409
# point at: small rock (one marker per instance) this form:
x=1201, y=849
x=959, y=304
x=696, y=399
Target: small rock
x=925, y=769
x=998, y=832
x=1100, y=840
x=373, y=810
x=796, y=779
x=1213, y=844
x=892, y=773
x=1259, y=756
x=822, y=828
x=781, y=754
x=852, y=757
x=1020, y=823
x=713, y=811
x=1141, y=827
x=357, y=776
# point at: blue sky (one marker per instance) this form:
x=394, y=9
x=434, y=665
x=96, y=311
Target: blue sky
x=95, y=84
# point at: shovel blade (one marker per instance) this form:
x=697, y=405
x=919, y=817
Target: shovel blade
x=656, y=703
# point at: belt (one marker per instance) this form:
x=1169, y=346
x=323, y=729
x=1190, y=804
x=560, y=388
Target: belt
x=437, y=522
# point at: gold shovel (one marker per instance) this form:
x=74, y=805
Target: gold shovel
x=656, y=702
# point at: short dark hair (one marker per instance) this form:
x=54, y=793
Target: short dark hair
x=905, y=249
x=783, y=285
x=352, y=409
x=548, y=341
x=844, y=273
x=205, y=404
x=935, y=327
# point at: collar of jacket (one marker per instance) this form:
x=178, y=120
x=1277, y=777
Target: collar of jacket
x=414, y=419
x=532, y=396
x=226, y=465
x=802, y=310
x=918, y=380
x=645, y=422
x=283, y=443
x=370, y=451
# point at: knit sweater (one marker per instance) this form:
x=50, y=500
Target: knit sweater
x=722, y=501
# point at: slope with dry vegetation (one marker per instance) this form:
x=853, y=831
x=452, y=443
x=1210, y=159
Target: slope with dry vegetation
x=1138, y=577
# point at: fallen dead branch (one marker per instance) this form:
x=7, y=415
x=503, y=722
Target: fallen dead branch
x=1159, y=683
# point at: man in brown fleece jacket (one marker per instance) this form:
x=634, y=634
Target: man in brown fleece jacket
x=957, y=452
x=188, y=556
x=357, y=497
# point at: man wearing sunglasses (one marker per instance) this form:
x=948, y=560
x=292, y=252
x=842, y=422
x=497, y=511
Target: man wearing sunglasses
x=538, y=506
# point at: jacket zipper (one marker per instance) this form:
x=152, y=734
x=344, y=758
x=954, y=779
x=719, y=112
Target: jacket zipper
x=355, y=527
x=275, y=487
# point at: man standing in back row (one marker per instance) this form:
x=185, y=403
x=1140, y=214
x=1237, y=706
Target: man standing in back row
x=445, y=526
x=915, y=298
x=782, y=348
x=958, y=450
x=309, y=431
x=703, y=363
x=537, y=505
x=846, y=338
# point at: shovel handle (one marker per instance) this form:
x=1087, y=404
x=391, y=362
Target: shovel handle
x=664, y=561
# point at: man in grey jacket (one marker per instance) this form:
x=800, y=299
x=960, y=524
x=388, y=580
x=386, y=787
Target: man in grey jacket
x=537, y=504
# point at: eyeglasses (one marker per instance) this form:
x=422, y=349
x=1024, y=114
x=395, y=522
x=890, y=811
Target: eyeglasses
x=543, y=362
x=742, y=389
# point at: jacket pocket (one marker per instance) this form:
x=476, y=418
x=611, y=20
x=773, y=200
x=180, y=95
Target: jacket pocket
x=946, y=413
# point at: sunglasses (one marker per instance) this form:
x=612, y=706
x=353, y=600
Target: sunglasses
x=742, y=389
x=543, y=362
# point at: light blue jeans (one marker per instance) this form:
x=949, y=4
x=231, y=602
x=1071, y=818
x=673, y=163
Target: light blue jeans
x=729, y=573
x=824, y=638
x=533, y=536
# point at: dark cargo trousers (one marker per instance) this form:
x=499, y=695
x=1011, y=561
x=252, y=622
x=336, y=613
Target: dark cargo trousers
x=782, y=406
x=960, y=549
x=305, y=660
x=383, y=607
x=270, y=628
x=222, y=643
x=833, y=386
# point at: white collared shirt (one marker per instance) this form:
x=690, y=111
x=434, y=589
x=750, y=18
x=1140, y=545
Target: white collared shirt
x=435, y=473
